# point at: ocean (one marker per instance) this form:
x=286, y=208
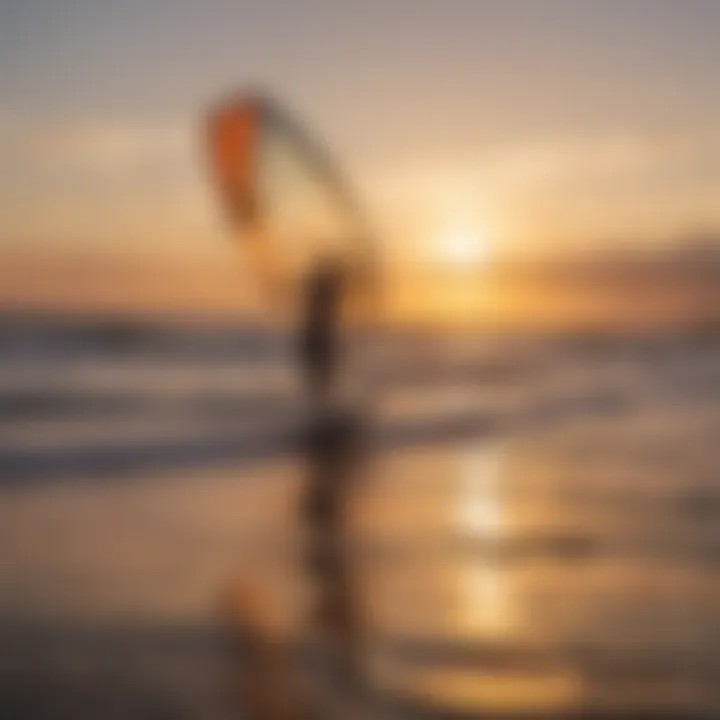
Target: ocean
x=536, y=533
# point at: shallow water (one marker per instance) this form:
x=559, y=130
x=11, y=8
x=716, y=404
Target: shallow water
x=559, y=555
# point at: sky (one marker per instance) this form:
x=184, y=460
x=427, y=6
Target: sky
x=526, y=126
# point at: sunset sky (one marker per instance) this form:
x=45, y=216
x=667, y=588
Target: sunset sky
x=526, y=125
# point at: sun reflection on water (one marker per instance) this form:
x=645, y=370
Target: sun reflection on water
x=484, y=604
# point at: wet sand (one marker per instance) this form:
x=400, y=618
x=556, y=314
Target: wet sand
x=543, y=545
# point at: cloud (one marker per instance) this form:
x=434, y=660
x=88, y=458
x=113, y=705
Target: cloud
x=144, y=178
x=100, y=146
x=556, y=190
x=558, y=162
x=99, y=178
x=117, y=147
x=527, y=164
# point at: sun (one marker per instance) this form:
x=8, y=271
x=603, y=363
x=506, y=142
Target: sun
x=461, y=246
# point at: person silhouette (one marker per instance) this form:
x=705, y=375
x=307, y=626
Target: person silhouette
x=335, y=451
x=320, y=334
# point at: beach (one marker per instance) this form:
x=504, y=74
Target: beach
x=536, y=531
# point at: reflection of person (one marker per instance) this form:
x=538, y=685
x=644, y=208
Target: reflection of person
x=334, y=451
x=271, y=685
x=263, y=683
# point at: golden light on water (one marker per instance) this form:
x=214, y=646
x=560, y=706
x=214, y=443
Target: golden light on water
x=487, y=608
x=485, y=605
x=469, y=691
x=480, y=510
